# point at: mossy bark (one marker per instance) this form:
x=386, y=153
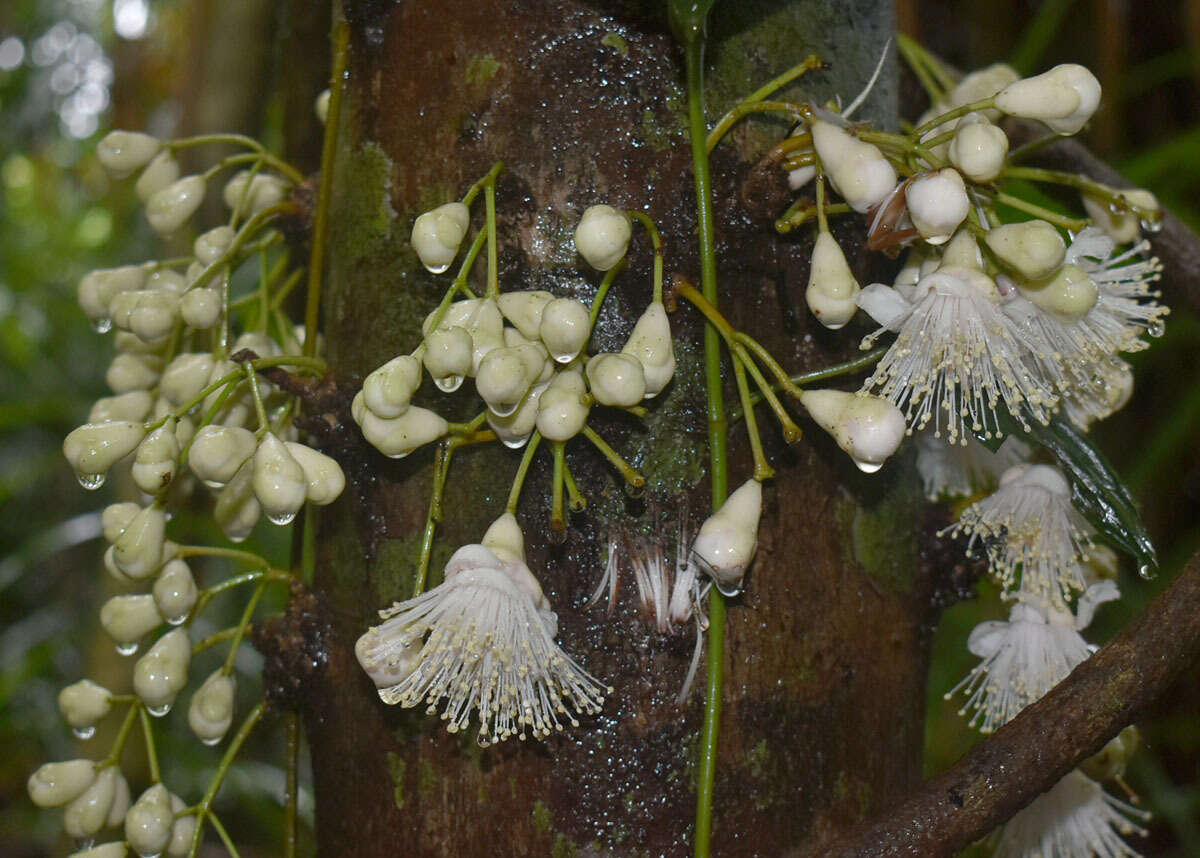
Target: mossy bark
x=826, y=651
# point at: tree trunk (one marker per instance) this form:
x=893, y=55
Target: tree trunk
x=826, y=651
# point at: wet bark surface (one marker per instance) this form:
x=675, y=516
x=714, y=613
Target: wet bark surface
x=826, y=651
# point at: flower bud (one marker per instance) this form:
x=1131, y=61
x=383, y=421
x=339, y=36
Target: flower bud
x=83, y=703
x=149, y=314
x=185, y=376
x=133, y=372
x=565, y=328
x=448, y=357
x=183, y=829
x=211, y=246
x=237, y=510
x=98, y=288
x=139, y=551
x=1110, y=761
x=166, y=280
x=524, y=310
x=120, y=803
x=88, y=813
x=961, y=252
x=132, y=407
x=486, y=327
x=122, y=152
x=729, y=537
x=218, y=451
x=173, y=206
x=388, y=390
x=868, y=428
x=979, y=148
x=1032, y=249
x=128, y=618
x=161, y=673
x=616, y=379
x=321, y=106
x=652, y=345
x=163, y=170
x=148, y=823
x=248, y=196
x=175, y=591
x=55, y=784
x=437, y=235
x=211, y=709
x=154, y=463
x=93, y=448
x=504, y=539
x=832, y=289
x=937, y=204
x=602, y=237
x=562, y=411
x=116, y=849
x=1069, y=293
x=514, y=429
x=324, y=476
x=279, y=482
x=856, y=169
x=1063, y=98
x=200, y=308
x=399, y=436
x=1121, y=226
x=505, y=376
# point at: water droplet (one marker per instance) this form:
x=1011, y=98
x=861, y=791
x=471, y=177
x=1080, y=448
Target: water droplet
x=449, y=383
x=1156, y=329
x=215, y=740
x=91, y=482
x=101, y=326
x=149, y=854
x=84, y=733
x=1152, y=226
x=1147, y=572
x=728, y=590
x=127, y=649
x=236, y=538
x=176, y=621
x=438, y=269
x=564, y=357
x=159, y=711
x=515, y=443
x=868, y=467
x=282, y=520
x=399, y=455
x=213, y=484
x=503, y=410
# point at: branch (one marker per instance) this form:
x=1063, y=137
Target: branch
x=1031, y=753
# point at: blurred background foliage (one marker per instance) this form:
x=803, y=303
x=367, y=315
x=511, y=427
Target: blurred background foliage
x=72, y=69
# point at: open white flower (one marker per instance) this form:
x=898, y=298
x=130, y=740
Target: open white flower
x=479, y=641
x=1075, y=819
x=959, y=470
x=1127, y=306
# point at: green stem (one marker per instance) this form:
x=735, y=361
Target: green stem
x=575, y=499
x=493, y=273
x=293, y=175
x=632, y=477
x=291, y=796
x=762, y=470
x=114, y=755
x=798, y=112
x=609, y=276
x=791, y=432
x=151, y=752
x=772, y=365
x=230, y=846
x=1072, y=223
x=822, y=221
x=320, y=230
x=656, y=242
x=806, y=379
x=489, y=178
x=1081, y=183
x=441, y=467
x=215, y=639
x=260, y=410
x=981, y=104
x=514, y=494
x=229, y=553
x=909, y=49
x=203, y=807
x=557, y=520
x=242, y=625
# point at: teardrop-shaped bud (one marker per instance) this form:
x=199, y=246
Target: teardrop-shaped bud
x=1121, y=226
x=399, y=436
x=161, y=673
x=122, y=152
x=565, y=328
x=504, y=378
x=727, y=540
x=1032, y=249
x=448, y=356
x=978, y=148
x=616, y=379
x=514, y=429
x=182, y=829
x=154, y=462
x=139, y=551
x=212, y=245
x=128, y=618
x=324, y=475
x=437, y=235
x=218, y=452
x=602, y=237
x=389, y=389
x=98, y=288
x=172, y=207
x=279, y=482
x=524, y=310
x=1064, y=98
x=248, y=196
x=148, y=822
x=505, y=539
x=832, y=289
x=83, y=703
x=133, y=372
x=652, y=345
x=133, y=406
x=88, y=813
x=562, y=408
x=1069, y=293
x=869, y=428
x=486, y=327
x=185, y=376
x=211, y=710
x=237, y=510
x=175, y=591
x=200, y=308
x=163, y=170
x=856, y=169
x=937, y=203
x=55, y=784
x=94, y=448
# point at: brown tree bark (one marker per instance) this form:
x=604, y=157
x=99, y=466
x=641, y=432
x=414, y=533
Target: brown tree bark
x=826, y=651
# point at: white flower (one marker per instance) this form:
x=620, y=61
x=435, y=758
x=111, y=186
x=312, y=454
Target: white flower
x=602, y=237
x=728, y=539
x=1127, y=305
x=1030, y=525
x=1025, y=656
x=479, y=642
x=437, y=235
x=959, y=470
x=1075, y=819
x=956, y=357
x=616, y=379
x=1123, y=226
x=867, y=428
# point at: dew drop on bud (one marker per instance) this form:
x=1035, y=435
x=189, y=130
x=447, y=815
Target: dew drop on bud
x=91, y=482
x=515, y=443
x=729, y=591
x=504, y=411
x=127, y=648
x=84, y=733
x=101, y=326
x=1156, y=329
x=438, y=269
x=282, y=520
x=1147, y=572
x=449, y=383
x=868, y=467
x=175, y=621
x=159, y=711
x=1152, y=226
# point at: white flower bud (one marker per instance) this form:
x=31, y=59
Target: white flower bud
x=133, y=372
x=448, y=357
x=565, y=328
x=324, y=476
x=321, y=106
x=166, y=280
x=505, y=539
x=98, y=288
x=133, y=406
x=514, y=429
x=173, y=206
x=163, y=170
x=652, y=345
x=149, y=314
x=399, y=436
x=524, y=310
x=120, y=804
x=937, y=204
x=211, y=709
x=729, y=537
x=1063, y=98
x=83, y=703
x=505, y=376
x=856, y=169
x=1121, y=226
x=88, y=813
x=218, y=451
x=154, y=462
x=978, y=148
x=388, y=390
x=186, y=376
x=832, y=289
x=161, y=673
x=602, y=237
x=139, y=551
x=55, y=784
x=250, y=196
x=486, y=327
x=961, y=252
x=122, y=152
x=457, y=314
x=1069, y=293
x=437, y=235
x=868, y=428
x=175, y=591
x=211, y=246
x=93, y=448
x=148, y=823
x=182, y=830
x=116, y=849
x=200, y=308
x=1032, y=249
x=259, y=342
x=279, y=482
x=128, y=618
x=616, y=379
x=237, y=509
x=1110, y=761
x=562, y=409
